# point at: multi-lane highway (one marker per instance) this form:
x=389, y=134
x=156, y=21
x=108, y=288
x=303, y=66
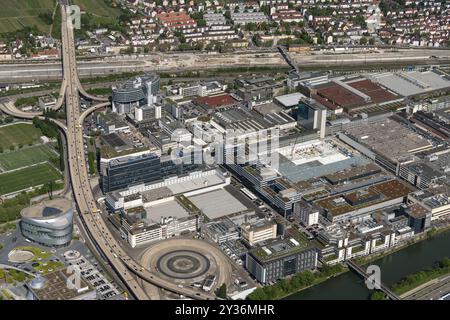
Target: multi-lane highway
x=127, y=268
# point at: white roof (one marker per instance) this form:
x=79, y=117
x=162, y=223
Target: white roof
x=289, y=100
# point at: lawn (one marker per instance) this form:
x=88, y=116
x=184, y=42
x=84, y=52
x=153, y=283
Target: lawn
x=28, y=177
x=26, y=157
x=16, y=14
x=47, y=266
x=97, y=8
x=38, y=253
x=20, y=133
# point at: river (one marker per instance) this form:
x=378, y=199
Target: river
x=394, y=267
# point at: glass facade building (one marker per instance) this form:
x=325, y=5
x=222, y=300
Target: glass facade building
x=129, y=171
x=134, y=93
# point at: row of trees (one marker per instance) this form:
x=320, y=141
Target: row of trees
x=10, y=208
x=13, y=147
x=50, y=129
x=7, y=119
x=295, y=283
x=413, y=280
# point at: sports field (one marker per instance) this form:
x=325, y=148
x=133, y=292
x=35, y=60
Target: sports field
x=28, y=177
x=26, y=157
x=20, y=133
x=16, y=14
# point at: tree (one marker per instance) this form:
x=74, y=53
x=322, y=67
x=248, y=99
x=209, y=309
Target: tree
x=378, y=295
x=222, y=291
x=9, y=119
x=363, y=41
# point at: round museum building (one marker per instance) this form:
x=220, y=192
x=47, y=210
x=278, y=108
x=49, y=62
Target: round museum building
x=49, y=223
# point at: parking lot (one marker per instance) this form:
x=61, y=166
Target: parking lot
x=90, y=273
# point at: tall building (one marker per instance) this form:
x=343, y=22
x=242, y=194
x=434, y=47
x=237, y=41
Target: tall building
x=135, y=92
x=130, y=170
x=312, y=116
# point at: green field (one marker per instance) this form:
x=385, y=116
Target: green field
x=28, y=177
x=26, y=157
x=16, y=14
x=21, y=133
x=97, y=8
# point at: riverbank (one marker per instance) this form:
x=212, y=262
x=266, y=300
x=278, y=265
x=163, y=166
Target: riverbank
x=409, y=258
x=299, y=281
x=414, y=281
x=423, y=286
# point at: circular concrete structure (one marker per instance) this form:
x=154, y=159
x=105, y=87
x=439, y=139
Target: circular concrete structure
x=187, y=261
x=72, y=254
x=20, y=256
x=183, y=264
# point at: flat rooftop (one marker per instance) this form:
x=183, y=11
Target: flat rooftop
x=195, y=184
x=167, y=209
x=47, y=209
x=314, y=159
x=339, y=95
x=120, y=144
x=338, y=205
x=377, y=93
x=279, y=248
x=290, y=100
x=217, y=204
x=390, y=139
x=55, y=287
x=412, y=82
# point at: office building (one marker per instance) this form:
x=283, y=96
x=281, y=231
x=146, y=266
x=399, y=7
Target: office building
x=312, y=116
x=280, y=258
x=130, y=170
x=259, y=231
x=306, y=213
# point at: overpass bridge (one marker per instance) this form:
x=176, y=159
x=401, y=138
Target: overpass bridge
x=362, y=273
x=288, y=59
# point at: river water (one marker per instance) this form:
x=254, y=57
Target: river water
x=393, y=268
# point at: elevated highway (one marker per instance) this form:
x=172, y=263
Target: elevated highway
x=126, y=267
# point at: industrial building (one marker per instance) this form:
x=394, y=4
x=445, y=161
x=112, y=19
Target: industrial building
x=410, y=83
x=357, y=204
x=387, y=142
